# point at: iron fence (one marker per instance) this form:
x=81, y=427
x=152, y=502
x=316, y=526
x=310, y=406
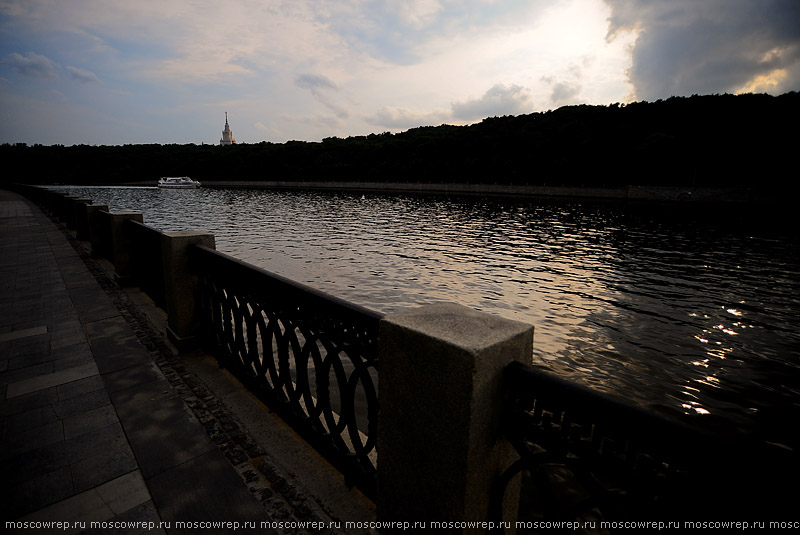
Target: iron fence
x=310, y=357
x=586, y=456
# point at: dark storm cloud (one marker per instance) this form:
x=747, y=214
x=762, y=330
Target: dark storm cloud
x=710, y=46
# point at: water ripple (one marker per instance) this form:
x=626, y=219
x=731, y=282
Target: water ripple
x=687, y=312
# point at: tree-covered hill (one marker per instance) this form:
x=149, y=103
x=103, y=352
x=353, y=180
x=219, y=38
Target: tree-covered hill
x=698, y=141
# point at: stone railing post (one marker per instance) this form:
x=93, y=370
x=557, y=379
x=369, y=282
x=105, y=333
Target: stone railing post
x=440, y=449
x=181, y=286
x=60, y=203
x=73, y=211
x=87, y=227
x=121, y=243
x=100, y=234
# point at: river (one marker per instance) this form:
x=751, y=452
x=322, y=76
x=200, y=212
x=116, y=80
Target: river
x=684, y=310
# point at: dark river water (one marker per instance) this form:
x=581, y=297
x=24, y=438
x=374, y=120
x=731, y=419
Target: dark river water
x=683, y=310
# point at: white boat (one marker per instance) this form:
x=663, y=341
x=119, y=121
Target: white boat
x=177, y=182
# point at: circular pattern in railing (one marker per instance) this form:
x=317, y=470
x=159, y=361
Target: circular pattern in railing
x=313, y=363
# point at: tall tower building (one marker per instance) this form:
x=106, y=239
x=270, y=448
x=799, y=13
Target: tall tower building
x=227, y=135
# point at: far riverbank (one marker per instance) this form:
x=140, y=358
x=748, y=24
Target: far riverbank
x=627, y=193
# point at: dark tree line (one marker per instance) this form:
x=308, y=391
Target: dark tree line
x=698, y=141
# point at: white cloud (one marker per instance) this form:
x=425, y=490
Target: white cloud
x=33, y=64
x=316, y=83
x=402, y=118
x=565, y=92
x=498, y=100
x=82, y=75
x=321, y=88
x=39, y=66
x=416, y=13
x=193, y=42
x=304, y=69
x=764, y=83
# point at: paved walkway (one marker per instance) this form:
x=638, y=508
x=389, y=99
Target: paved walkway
x=92, y=429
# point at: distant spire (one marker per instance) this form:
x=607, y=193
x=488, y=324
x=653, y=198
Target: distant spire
x=227, y=135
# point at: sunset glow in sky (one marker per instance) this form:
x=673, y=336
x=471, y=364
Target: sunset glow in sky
x=166, y=71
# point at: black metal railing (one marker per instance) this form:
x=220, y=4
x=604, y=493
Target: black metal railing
x=147, y=265
x=585, y=455
x=310, y=357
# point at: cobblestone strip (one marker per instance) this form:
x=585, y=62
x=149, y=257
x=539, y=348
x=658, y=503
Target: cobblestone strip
x=282, y=501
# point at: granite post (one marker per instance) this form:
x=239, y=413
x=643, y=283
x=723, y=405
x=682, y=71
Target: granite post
x=88, y=230
x=82, y=220
x=74, y=209
x=62, y=207
x=440, y=449
x=181, y=286
x=121, y=243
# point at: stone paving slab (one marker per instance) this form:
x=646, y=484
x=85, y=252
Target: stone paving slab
x=162, y=432
x=169, y=492
x=120, y=496
x=23, y=333
x=47, y=380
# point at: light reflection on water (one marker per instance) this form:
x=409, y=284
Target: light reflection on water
x=686, y=312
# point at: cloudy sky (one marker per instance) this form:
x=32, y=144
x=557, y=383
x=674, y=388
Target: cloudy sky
x=166, y=71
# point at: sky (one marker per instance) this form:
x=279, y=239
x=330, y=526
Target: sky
x=113, y=72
